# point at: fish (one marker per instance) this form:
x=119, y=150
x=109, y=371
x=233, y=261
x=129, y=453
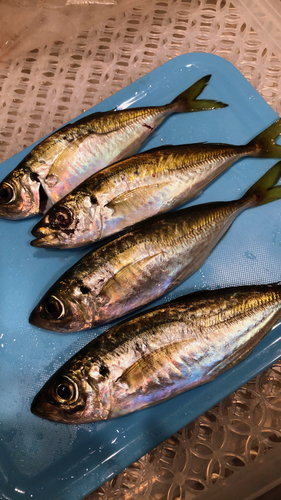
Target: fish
x=59, y=163
x=141, y=187
x=159, y=354
x=141, y=265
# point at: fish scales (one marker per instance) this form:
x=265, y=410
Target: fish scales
x=151, y=260
x=142, y=186
x=68, y=157
x=70, y=170
x=141, y=265
x=161, y=353
x=73, y=153
x=152, y=186
x=165, y=166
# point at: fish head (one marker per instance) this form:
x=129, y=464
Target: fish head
x=69, y=306
x=78, y=393
x=73, y=222
x=21, y=194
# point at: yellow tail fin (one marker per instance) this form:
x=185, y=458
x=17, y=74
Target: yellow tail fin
x=265, y=143
x=264, y=190
x=187, y=100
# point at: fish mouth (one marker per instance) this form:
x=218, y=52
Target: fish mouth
x=46, y=237
x=41, y=408
x=40, y=229
x=36, y=319
x=46, y=241
x=37, y=410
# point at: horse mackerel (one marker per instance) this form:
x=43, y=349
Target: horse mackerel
x=73, y=153
x=142, y=186
x=159, y=354
x=141, y=265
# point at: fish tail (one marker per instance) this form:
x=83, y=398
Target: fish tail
x=264, y=190
x=265, y=143
x=187, y=100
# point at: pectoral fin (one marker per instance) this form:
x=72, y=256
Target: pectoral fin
x=134, y=286
x=163, y=362
x=128, y=277
x=143, y=202
x=62, y=163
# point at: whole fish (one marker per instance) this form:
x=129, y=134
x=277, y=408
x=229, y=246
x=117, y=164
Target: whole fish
x=144, y=185
x=67, y=157
x=159, y=354
x=142, y=265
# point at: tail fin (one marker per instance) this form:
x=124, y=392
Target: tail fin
x=187, y=100
x=265, y=143
x=264, y=190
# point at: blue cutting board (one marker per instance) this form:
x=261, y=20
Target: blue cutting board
x=44, y=460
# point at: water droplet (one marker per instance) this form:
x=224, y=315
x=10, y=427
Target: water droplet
x=250, y=255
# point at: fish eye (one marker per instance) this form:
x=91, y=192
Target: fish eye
x=6, y=194
x=54, y=308
x=65, y=391
x=62, y=217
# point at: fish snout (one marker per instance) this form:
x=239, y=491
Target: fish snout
x=49, y=314
x=37, y=318
x=50, y=240
x=44, y=406
x=40, y=406
x=40, y=229
x=47, y=236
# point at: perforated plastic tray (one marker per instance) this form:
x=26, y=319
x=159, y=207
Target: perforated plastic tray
x=44, y=460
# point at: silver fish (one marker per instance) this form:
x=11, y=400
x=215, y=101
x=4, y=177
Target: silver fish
x=159, y=354
x=66, y=158
x=142, y=186
x=142, y=265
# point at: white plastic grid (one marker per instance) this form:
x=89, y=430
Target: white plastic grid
x=63, y=59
